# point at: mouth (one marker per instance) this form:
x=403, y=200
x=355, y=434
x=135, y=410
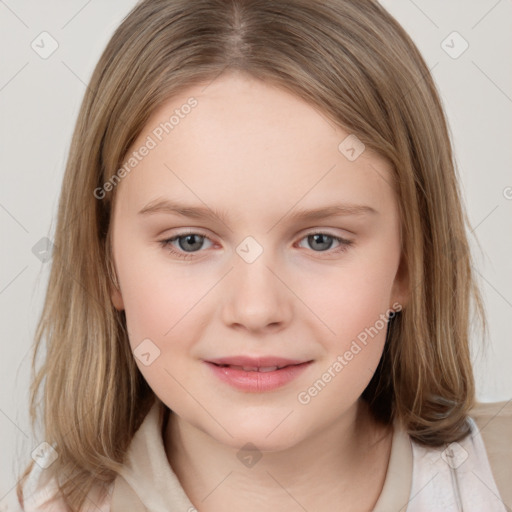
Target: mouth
x=263, y=369
x=257, y=379
x=256, y=363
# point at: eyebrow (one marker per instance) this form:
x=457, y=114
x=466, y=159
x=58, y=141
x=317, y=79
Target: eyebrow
x=206, y=213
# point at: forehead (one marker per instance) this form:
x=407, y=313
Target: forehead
x=246, y=142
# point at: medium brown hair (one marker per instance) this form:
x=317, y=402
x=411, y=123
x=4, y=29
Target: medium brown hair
x=352, y=60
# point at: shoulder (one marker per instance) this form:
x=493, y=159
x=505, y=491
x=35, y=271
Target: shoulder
x=475, y=472
x=498, y=412
x=494, y=422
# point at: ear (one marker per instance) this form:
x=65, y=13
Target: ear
x=117, y=299
x=113, y=281
x=400, y=291
x=115, y=292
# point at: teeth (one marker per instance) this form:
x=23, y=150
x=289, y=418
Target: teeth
x=254, y=368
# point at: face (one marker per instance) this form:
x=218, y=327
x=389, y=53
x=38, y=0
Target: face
x=259, y=275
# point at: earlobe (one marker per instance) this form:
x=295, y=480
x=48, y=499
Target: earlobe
x=117, y=299
x=115, y=292
x=113, y=281
x=400, y=293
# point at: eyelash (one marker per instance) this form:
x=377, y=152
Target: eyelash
x=166, y=244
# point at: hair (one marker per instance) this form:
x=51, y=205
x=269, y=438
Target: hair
x=355, y=63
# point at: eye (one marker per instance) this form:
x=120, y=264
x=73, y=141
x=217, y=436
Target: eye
x=187, y=242
x=191, y=242
x=323, y=241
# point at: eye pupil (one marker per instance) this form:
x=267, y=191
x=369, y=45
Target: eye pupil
x=320, y=238
x=188, y=238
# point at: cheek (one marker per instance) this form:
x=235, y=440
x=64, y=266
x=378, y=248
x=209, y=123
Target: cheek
x=348, y=301
x=353, y=304
x=159, y=298
x=356, y=312
x=162, y=306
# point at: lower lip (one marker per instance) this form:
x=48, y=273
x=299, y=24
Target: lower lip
x=257, y=382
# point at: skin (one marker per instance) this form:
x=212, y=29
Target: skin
x=257, y=153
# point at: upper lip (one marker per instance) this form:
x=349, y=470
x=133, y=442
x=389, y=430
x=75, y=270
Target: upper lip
x=256, y=362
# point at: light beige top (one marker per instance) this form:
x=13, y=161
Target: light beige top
x=418, y=479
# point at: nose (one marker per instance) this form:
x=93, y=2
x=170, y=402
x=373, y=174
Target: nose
x=255, y=297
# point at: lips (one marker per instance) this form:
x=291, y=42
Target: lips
x=258, y=378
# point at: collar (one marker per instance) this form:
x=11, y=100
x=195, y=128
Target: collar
x=147, y=483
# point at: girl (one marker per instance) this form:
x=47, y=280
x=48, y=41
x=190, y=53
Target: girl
x=202, y=352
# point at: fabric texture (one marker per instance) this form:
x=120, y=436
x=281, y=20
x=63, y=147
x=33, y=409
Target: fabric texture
x=472, y=475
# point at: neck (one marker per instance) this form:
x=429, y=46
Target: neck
x=345, y=463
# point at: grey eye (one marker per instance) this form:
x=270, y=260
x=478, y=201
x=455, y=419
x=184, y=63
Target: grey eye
x=191, y=242
x=320, y=241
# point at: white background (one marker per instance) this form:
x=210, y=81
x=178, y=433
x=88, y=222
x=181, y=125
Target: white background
x=39, y=101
